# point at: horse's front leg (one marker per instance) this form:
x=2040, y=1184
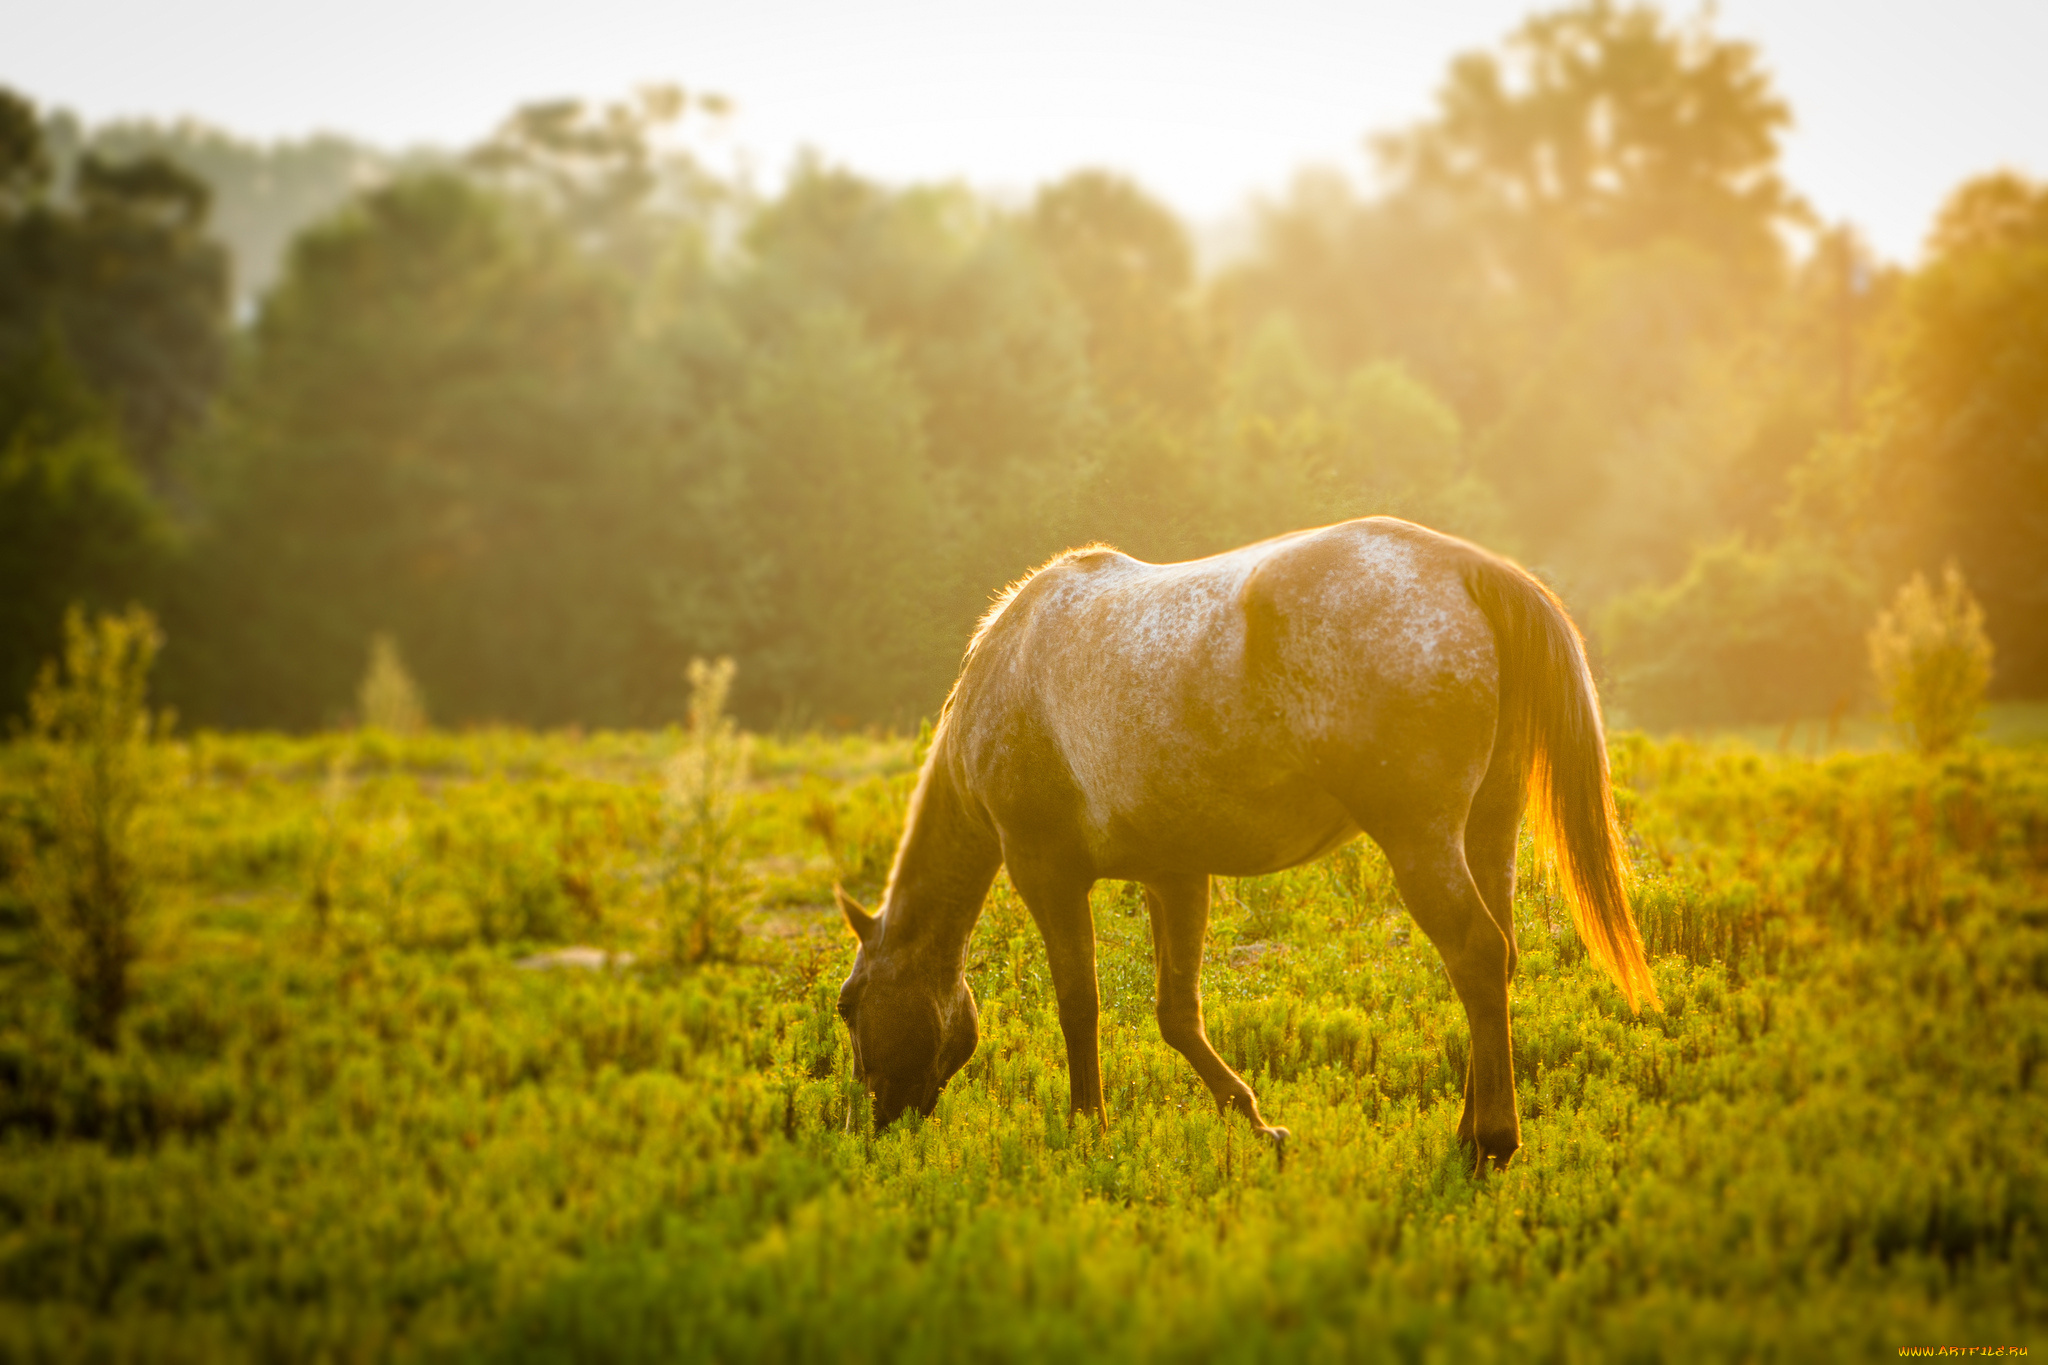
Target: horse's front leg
x=1058, y=901
x=1180, y=922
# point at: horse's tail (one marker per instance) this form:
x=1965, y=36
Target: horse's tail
x=1550, y=729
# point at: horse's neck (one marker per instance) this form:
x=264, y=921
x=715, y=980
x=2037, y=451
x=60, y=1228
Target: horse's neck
x=942, y=872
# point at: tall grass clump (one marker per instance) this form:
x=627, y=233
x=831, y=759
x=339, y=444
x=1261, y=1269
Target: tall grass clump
x=1932, y=661
x=388, y=699
x=82, y=868
x=704, y=883
x=328, y=845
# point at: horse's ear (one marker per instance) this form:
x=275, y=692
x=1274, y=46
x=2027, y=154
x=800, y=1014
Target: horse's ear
x=857, y=919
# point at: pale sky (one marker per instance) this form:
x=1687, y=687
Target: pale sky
x=1205, y=104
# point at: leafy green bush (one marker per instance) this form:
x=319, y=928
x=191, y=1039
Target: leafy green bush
x=1932, y=661
x=77, y=523
x=1745, y=636
x=704, y=884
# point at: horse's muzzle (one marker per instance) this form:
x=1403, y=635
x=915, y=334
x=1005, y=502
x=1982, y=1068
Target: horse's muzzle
x=892, y=1103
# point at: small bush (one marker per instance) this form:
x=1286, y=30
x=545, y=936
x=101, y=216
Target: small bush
x=93, y=730
x=388, y=699
x=1932, y=661
x=704, y=886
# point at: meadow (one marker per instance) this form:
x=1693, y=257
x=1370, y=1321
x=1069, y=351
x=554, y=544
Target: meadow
x=363, y=1106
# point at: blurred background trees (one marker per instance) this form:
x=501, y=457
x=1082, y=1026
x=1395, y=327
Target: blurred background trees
x=112, y=339
x=561, y=413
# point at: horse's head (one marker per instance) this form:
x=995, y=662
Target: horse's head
x=912, y=1027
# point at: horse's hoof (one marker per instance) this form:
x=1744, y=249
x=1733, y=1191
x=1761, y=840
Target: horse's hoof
x=1492, y=1163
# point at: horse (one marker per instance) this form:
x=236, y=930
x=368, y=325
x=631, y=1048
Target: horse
x=1237, y=715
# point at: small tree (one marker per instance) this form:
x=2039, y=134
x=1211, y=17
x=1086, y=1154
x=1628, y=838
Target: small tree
x=705, y=887
x=387, y=698
x=1932, y=660
x=91, y=723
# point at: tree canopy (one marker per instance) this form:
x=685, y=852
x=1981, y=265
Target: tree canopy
x=559, y=414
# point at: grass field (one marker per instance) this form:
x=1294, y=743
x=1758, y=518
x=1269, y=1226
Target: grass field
x=2010, y=724
x=351, y=1117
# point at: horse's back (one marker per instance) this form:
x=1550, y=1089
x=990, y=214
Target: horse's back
x=1207, y=710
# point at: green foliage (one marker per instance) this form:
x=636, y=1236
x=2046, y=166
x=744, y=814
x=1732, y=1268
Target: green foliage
x=76, y=523
x=597, y=171
x=1126, y=261
x=1612, y=436
x=569, y=410
x=1591, y=202
x=1932, y=661
x=1603, y=128
x=264, y=193
x=1746, y=635
x=426, y=442
x=1362, y=280
x=83, y=868
x=24, y=160
x=110, y=346
x=1581, y=252
x=122, y=270
x=396, y=1142
x=704, y=887
x=815, y=573
x=1953, y=466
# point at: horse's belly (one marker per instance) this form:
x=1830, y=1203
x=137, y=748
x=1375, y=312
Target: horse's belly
x=1235, y=831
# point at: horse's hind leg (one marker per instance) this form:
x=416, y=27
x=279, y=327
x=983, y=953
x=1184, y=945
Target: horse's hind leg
x=1429, y=866
x=1180, y=921
x=1491, y=831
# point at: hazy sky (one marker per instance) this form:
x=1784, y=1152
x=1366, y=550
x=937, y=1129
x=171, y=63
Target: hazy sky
x=1204, y=103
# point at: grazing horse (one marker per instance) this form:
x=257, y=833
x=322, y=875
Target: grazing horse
x=1240, y=714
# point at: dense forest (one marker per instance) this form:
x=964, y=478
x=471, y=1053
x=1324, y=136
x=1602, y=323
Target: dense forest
x=568, y=409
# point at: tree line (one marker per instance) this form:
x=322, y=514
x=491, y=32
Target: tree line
x=566, y=411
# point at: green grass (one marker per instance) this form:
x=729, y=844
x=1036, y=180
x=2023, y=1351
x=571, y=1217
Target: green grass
x=351, y=1126
x=2005, y=724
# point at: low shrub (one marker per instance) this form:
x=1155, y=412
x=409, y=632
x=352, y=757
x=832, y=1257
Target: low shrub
x=1932, y=661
